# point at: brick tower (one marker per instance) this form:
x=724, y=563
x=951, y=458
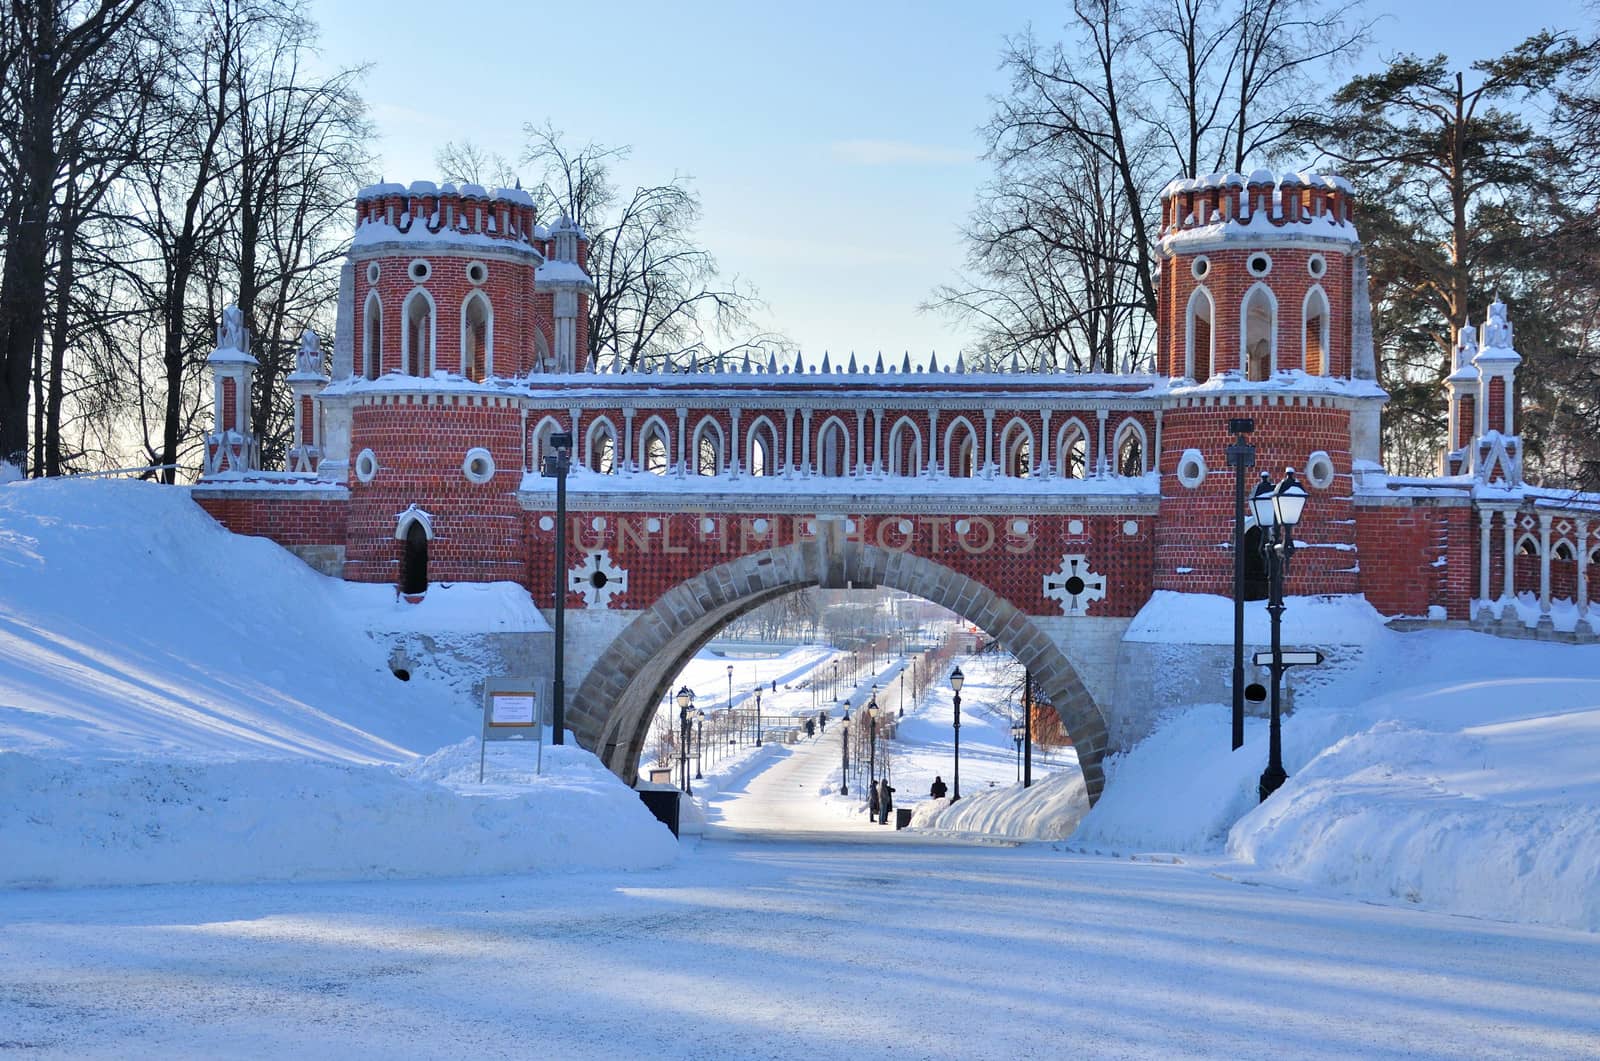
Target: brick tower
x=1262, y=313
x=454, y=292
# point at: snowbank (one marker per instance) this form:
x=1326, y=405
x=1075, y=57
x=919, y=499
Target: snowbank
x=1443, y=768
x=178, y=703
x=66, y=823
x=1050, y=809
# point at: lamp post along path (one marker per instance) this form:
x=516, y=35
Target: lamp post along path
x=556, y=466
x=1278, y=508
x=957, y=679
x=1241, y=457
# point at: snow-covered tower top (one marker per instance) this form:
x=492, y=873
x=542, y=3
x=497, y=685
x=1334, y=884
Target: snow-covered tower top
x=1258, y=276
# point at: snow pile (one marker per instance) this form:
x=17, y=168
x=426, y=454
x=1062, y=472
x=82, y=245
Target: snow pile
x=178, y=703
x=1443, y=768
x=9, y=473
x=1048, y=810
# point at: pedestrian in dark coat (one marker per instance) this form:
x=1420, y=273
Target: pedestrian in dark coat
x=885, y=801
x=872, y=808
x=938, y=790
x=822, y=720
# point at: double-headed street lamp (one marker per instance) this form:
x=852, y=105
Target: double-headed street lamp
x=685, y=716
x=1017, y=733
x=844, y=741
x=957, y=679
x=1277, y=509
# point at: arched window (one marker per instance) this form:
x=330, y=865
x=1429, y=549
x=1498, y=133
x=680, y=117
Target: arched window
x=372, y=338
x=600, y=447
x=707, y=447
x=541, y=352
x=762, y=442
x=1256, y=585
x=1016, y=448
x=414, y=562
x=1130, y=448
x=1200, y=337
x=539, y=441
x=653, y=448
x=960, y=449
x=1315, y=350
x=1527, y=546
x=417, y=340
x=1563, y=551
x=833, y=449
x=477, y=337
x=905, y=448
x=1258, y=333
x=1072, y=450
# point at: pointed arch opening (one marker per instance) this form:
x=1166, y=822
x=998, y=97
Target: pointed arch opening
x=372, y=338
x=1316, y=314
x=761, y=443
x=960, y=449
x=1072, y=450
x=707, y=444
x=1200, y=337
x=1131, y=448
x=1016, y=449
x=414, y=530
x=600, y=447
x=539, y=441
x=477, y=337
x=416, y=340
x=1258, y=333
x=654, y=452
x=833, y=449
x=905, y=448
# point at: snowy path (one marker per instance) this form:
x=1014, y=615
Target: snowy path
x=786, y=950
x=786, y=796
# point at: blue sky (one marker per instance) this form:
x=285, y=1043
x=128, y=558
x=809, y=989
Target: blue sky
x=834, y=145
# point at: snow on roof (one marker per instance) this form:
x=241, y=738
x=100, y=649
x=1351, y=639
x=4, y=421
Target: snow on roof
x=372, y=233
x=1290, y=379
x=562, y=272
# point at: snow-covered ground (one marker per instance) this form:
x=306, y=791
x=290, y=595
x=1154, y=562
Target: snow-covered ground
x=178, y=703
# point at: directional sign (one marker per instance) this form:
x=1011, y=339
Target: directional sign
x=1289, y=659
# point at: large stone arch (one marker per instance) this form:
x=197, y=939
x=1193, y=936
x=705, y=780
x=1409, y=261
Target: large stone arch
x=612, y=708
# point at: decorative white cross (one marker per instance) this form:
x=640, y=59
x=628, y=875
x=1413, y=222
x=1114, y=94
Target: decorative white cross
x=1073, y=585
x=598, y=579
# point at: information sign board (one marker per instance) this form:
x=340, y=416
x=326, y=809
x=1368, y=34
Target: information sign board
x=513, y=709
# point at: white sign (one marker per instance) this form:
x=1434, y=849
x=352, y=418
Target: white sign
x=511, y=709
x=1290, y=659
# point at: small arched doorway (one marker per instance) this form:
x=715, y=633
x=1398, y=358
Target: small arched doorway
x=414, y=562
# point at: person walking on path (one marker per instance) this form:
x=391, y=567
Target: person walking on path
x=885, y=801
x=872, y=807
x=822, y=720
x=938, y=789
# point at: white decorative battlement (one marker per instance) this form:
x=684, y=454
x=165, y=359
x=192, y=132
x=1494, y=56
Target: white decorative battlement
x=1221, y=207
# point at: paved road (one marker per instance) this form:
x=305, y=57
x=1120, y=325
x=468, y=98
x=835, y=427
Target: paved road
x=784, y=949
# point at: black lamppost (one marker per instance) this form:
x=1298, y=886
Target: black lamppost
x=1016, y=737
x=957, y=679
x=872, y=741
x=1027, y=729
x=844, y=741
x=758, y=716
x=1241, y=456
x=699, y=741
x=1277, y=510
x=730, y=688
x=556, y=465
x=685, y=713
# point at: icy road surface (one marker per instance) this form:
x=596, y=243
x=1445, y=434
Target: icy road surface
x=786, y=949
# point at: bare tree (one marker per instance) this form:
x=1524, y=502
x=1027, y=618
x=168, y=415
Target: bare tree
x=659, y=296
x=46, y=53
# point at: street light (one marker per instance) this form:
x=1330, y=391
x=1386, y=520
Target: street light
x=957, y=679
x=730, y=688
x=1016, y=737
x=685, y=713
x=872, y=741
x=1241, y=456
x=556, y=465
x=1277, y=511
x=699, y=740
x=758, y=716
x=844, y=740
